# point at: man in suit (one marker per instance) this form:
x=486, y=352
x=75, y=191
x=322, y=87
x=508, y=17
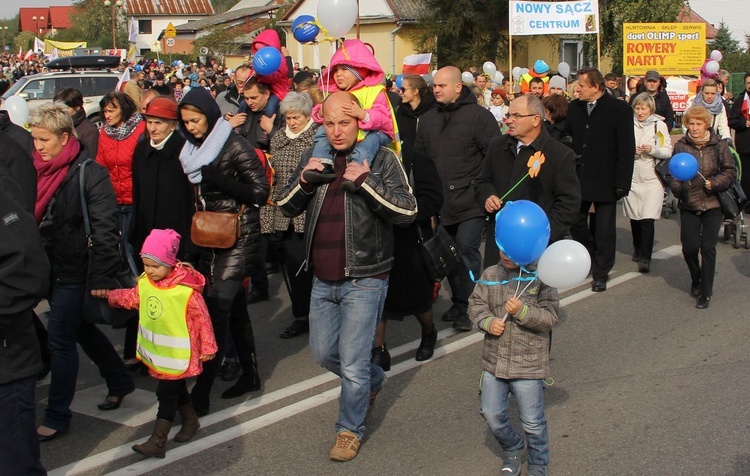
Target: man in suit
x=603, y=138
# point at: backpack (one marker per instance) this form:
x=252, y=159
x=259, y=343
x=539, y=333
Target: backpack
x=270, y=172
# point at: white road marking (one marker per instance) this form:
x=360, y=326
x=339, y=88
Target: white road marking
x=209, y=441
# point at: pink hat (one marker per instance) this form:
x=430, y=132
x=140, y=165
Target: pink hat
x=161, y=246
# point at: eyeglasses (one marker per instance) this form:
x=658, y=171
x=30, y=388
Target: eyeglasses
x=516, y=116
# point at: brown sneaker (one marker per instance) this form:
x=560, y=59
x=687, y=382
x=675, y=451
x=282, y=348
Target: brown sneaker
x=346, y=447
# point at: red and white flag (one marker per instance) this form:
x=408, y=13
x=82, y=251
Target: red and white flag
x=20, y=52
x=29, y=55
x=417, y=64
x=124, y=79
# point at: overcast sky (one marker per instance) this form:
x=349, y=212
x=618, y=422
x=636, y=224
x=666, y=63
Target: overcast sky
x=734, y=12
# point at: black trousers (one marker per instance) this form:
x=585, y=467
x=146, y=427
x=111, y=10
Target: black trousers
x=699, y=235
x=172, y=394
x=227, y=305
x=299, y=280
x=19, y=446
x=643, y=237
x=600, y=239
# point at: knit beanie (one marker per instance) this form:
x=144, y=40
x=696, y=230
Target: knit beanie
x=358, y=72
x=557, y=82
x=161, y=246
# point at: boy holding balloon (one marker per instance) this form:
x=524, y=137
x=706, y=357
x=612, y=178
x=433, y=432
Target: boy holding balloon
x=515, y=358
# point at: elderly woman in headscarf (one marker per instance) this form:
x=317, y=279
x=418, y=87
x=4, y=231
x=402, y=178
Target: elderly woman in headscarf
x=229, y=178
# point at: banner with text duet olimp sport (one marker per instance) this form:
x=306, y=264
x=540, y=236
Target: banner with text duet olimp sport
x=672, y=49
x=554, y=18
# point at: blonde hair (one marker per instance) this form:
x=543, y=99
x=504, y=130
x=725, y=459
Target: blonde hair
x=53, y=117
x=698, y=113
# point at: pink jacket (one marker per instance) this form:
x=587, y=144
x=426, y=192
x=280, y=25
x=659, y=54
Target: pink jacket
x=202, y=341
x=279, y=82
x=356, y=53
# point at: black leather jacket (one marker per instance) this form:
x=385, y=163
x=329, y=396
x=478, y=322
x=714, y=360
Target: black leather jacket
x=238, y=161
x=383, y=200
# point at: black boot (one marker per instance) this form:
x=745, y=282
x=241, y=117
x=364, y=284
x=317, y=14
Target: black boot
x=427, y=345
x=644, y=265
x=249, y=381
x=381, y=357
x=317, y=177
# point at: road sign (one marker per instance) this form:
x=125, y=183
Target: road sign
x=170, y=42
x=170, y=31
x=156, y=47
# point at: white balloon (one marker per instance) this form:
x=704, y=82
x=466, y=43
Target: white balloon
x=516, y=73
x=564, y=264
x=524, y=71
x=179, y=74
x=467, y=77
x=18, y=110
x=489, y=68
x=337, y=16
x=716, y=55
x=564, y=69
x=712, y=67
x=498, y=79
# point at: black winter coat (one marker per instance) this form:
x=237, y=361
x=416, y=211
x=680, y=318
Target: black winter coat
x=163, y=196
x=17, y=133
x=738, y=122
x=239, y=162
x=87, y=132
x=605, y=144
x=408, y=120
x=69, y=237
x=20, y=166
x=255, y=135
x=24, y=280
x=456, y=137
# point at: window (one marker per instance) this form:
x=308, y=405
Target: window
x=105, y=85
x=144, y=27
x=571, y=52
x=63, y=83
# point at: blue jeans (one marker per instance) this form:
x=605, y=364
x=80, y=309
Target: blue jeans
x=343, y=317
x=529, y=395
x=66, y=328
x=19, y=446
x=366, y=149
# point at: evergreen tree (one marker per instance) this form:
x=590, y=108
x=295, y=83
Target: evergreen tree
x=724, y=41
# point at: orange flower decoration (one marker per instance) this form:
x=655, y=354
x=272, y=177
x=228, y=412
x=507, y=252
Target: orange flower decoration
x=535, y=164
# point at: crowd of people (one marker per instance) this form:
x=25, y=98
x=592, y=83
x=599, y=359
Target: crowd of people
x=336, y=180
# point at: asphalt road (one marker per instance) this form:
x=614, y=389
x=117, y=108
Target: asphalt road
x=644, y=383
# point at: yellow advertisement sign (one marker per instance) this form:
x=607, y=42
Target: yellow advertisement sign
x=672, y=49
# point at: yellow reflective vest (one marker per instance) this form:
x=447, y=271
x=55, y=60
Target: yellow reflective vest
x=163, y=338
x=366, y=97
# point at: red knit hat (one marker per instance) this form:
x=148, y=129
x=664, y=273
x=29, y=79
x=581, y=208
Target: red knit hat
x=162, y=107
x=161, y=246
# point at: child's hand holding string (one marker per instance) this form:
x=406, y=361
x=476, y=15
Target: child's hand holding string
x=513, y=306
x=497, y=327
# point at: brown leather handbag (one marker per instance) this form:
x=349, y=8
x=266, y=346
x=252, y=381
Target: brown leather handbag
x=215, y=229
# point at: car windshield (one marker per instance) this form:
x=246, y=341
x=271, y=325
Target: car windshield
x=15, y=88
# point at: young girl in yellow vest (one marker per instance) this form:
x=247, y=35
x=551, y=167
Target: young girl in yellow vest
x=175, y=335
x=354, y=69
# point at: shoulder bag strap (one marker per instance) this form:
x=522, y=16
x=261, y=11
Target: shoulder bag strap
x=84, y=204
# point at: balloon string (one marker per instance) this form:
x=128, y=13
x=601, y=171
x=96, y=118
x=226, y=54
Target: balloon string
x=505, y=317
x=704, y=178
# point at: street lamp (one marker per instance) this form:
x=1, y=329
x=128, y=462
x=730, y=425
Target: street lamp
x=38, y=20
x=4, y=29
x=113, y=6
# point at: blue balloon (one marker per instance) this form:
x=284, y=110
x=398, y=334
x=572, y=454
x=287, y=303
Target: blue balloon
x=267, y=60
x=304, y=28
x=399, y=80
x=175, y=62
x=683, y=166
x=522, y=231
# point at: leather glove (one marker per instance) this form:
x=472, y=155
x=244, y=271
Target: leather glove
x=621, y=193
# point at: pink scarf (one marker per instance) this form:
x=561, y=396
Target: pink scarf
x=50, y=174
